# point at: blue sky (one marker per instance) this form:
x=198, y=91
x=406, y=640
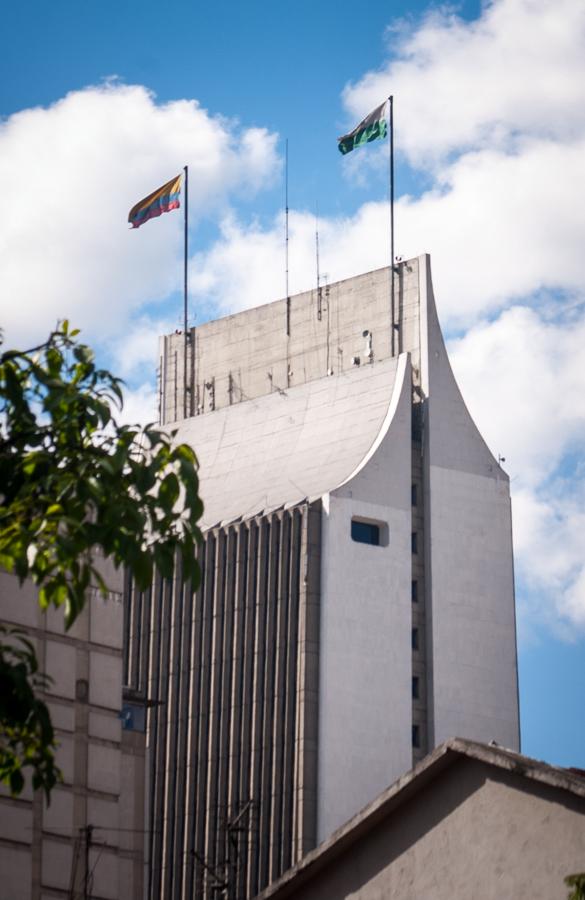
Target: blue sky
x=103, y=102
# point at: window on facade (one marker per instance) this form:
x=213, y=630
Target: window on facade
x=413, y=495
x=414, y=541
x=415, y=736
x=415, y=688
x=414, y=591
x=365, y=532
x=415, y=638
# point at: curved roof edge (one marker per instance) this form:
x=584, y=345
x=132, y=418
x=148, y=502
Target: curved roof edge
x=286, y=448
x=469, y=450
x=401, y=372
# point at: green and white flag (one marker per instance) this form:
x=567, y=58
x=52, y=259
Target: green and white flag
x=372, y=128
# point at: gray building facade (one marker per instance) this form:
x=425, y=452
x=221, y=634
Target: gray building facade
x=89, y=841
x=357, y=601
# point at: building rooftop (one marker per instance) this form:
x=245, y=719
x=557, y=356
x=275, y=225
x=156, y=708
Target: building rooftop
x=293, y=444
x=407, y=787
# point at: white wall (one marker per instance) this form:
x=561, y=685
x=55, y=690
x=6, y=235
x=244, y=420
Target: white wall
x=468, y=559
x=365, y=705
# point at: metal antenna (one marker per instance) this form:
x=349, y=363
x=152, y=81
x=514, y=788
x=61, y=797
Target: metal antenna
x=317, y=242
x=319, y=290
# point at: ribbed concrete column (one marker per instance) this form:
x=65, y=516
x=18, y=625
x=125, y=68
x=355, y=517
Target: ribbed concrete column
x=233, y=695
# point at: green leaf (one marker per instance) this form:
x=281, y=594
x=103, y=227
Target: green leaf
x=141, y=569
x=73, y=493
x=169, y=491
x=16, y=781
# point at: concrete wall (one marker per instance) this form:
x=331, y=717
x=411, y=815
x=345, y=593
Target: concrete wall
x=468, y=560
x=365, y=708
x=103, y=767
x=250, y=354
x=475, y=832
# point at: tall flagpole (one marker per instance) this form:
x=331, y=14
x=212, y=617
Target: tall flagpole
x=185, y=305
x=286, y=236
x=391, y=173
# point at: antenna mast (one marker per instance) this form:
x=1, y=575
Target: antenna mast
x=319, y=290
x=317, y=243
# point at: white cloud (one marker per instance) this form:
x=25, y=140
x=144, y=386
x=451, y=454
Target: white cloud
x=501, y=226
x=524, y=382
x=140, y=406
x=137, y=351
x=519, y=69
x=69, y=174
x=525, y=378
x=493, y=110
x=549, y=542
x=246, y=266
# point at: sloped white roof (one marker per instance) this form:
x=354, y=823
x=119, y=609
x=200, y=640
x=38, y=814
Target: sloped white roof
x=281, y=448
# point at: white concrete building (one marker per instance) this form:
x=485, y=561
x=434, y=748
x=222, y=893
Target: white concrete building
x=357, y=604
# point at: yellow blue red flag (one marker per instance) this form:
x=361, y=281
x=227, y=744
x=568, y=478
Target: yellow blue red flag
x=160, y=201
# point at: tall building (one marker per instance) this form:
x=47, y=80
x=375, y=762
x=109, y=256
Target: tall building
x=357, y=601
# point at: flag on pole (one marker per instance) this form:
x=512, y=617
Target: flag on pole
x=160, y=201
x=374, y=127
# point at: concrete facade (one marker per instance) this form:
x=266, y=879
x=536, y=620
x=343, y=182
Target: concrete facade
x=365, y=699
x=43, y=847
x=469, y=821
x=278, y=345
x=322, y=402
x=468, y=560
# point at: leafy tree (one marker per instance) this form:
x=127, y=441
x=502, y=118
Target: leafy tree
x=75, y=486
x=577, y=883
x=26, y=733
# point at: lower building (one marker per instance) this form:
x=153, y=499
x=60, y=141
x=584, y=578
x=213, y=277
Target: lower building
x=470, y=821
x=357, y=601
x=89, y=841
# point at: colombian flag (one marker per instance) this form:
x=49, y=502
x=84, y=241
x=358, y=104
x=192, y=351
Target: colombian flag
x=160, y=201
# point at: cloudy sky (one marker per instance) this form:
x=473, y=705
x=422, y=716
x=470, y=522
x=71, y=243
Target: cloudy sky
x=103, y=104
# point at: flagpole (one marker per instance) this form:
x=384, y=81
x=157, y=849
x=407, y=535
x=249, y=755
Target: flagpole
x=391, y=173
x=286, y=237
x=185, y=305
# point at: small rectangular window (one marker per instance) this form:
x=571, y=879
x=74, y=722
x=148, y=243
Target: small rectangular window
x=415, y=638
x=415, y=736
x=415, y=688
x=365, y=532
x=414, y=591
x=414, y=541
x=413, y=495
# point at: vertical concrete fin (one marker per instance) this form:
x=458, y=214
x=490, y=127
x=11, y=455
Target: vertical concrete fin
x=466, y=446
x=469, y=578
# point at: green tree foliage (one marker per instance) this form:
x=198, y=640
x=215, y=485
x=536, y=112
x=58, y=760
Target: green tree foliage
x=75, y=486
x=26, y=732
x=577, y=885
